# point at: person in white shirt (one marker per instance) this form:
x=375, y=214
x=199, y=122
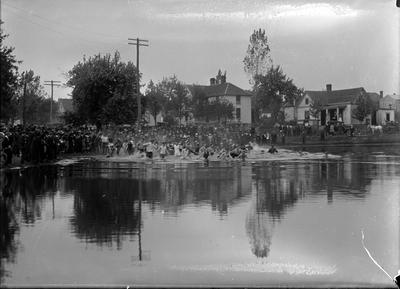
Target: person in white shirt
x=150, y=148
x=177, y=151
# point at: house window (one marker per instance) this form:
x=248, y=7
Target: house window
x=237, y=99
x=387, y=116
x=306, y=101
x=238, y=113
x=306, y=114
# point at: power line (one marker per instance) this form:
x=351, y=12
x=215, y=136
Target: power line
x=52, y=83
x=138, y=42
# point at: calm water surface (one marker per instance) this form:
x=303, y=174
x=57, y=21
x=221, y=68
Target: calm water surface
x=290, y=223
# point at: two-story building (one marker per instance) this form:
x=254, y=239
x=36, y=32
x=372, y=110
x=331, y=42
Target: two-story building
x=387, y=109
x=220, y=89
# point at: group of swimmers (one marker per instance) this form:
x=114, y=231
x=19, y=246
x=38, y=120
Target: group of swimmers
x=151, y=149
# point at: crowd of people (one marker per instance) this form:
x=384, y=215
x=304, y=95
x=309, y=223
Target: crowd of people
x=185, y=142
x=38, y=144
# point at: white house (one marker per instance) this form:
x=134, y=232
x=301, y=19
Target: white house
x=386, y=111
x=240, y=99
x=336, y=105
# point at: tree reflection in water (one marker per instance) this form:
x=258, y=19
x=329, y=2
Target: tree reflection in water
x=107, y=207
x=105, y=210
x=22, y=195
x=107, y=201
x=277, y=187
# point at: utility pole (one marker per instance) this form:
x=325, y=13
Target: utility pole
x=24, y=102
x=138, y=42
x=52, y=83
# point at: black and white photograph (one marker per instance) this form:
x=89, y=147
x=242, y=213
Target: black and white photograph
x=200, y=143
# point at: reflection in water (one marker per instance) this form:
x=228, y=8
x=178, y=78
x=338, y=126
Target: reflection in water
x=105, y=210
x=8, y=225
x=259, y=230
x=108, y=198
x=107, y=207
x=22, y=196
x=277, y=187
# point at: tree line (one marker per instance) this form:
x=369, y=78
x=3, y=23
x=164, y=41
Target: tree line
x=22, y=95
x=104, y=91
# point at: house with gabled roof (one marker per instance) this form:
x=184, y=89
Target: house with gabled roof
x=387, y=109
x=335, y=105
x=220, y=89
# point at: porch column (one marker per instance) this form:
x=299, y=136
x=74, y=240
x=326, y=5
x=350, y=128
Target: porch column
x=328, y=117
x=337, y=113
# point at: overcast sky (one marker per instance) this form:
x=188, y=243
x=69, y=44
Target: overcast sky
x=346, y=43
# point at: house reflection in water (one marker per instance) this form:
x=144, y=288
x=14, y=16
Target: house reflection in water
x=108, y=198
x=277, y=187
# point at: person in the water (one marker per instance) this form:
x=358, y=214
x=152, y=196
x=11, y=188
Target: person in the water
x=272, y=150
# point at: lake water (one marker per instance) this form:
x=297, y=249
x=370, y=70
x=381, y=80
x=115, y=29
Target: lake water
x=277, y=223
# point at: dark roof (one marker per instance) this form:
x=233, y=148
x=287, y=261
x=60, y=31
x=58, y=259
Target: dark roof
x=219, y=90
x=336, y=96
x=67, y=104
x=374, y=97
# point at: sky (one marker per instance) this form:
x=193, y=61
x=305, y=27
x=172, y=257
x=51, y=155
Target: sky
x=348, y=44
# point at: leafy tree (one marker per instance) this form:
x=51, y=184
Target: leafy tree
x=101, y=85
x=34, y=107
x=257, y=60
x=272, y=91
x=216, y=109
x=9, y=80
x=316, y=106
x=200, y=105
x=178, y=102
x=155, y=100
x=220, y=76
x=120, y=109
x=71, y=117
x=220, y=109
x=364, y=107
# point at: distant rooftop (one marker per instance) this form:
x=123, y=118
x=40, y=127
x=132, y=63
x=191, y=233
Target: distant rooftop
x=224, y=89
x=337, y=96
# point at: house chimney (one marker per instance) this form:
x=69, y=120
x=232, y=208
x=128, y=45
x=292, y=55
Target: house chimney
x=223, y=79
x=212, y=81
x=329, y=87
x=381, y=94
